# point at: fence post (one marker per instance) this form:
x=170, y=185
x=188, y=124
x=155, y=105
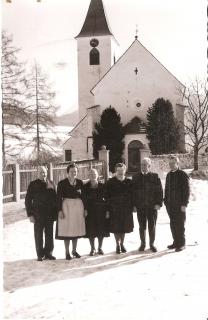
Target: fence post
x=103, y=155
x=51, y=171
x=16, y=182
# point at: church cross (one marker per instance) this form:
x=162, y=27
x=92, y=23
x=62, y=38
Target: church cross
x=136, y=35
x=136, y=70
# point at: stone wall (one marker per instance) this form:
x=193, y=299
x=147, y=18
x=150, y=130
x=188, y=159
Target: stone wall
x=160, y=162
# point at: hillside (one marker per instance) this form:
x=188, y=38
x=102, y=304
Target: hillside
x=67, y=119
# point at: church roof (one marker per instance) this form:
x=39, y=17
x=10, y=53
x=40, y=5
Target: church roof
x=77, y=125
x=96, y=23
x=136, y=41
x=136, y=125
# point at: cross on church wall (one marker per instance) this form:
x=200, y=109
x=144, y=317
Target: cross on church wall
x=136, y=70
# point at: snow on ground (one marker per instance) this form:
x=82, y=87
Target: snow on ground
x=145, y=286
x=54, y=138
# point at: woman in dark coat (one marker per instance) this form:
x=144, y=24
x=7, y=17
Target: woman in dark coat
x=71, y=220
x=118, y=193
x=95, y=212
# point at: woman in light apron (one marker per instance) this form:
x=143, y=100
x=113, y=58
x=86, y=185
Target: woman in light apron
x=71, y=220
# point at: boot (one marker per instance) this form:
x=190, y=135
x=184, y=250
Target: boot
x=142, y=233
x=118, y=249
x=123, y=249
x=152, y=239
x=153, y=248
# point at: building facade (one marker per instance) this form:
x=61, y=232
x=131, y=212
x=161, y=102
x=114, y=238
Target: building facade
x=130, y=84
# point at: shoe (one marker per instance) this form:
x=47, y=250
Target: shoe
x=153, y=248
x=39, y=258
x=49, y=257
x=92, y=252
x=68, y=257
x=171, y=246
x=123, y=249
x=75, y=254
x=142, y=247
x=118, y=250
x=100, y=251
x=179, y=249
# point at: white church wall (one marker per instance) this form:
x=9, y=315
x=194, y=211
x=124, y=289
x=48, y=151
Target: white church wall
x=77, y=142
x=89, y=75
x=122, y=88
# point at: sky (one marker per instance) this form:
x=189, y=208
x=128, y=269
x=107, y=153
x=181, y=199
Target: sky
x=173, y=31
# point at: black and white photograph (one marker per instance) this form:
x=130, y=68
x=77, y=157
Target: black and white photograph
x=104, y=159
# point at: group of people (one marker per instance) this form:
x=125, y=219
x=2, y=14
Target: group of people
x=94, y=210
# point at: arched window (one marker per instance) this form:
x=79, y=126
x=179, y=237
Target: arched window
x=94, y=57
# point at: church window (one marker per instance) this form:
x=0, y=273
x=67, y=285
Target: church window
x=94, y=57
x=68, y=155
x=138, y=104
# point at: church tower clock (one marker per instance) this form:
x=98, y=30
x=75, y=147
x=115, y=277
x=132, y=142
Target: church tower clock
x=97, y=50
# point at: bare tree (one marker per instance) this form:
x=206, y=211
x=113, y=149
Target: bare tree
x=40, y=101
x=13, y=87
x=196, y=117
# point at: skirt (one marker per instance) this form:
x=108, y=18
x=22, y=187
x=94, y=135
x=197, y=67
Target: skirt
x=96, y=223
x=73, y=224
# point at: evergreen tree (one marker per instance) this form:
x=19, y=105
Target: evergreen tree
x=162, y=128
x=109, y=132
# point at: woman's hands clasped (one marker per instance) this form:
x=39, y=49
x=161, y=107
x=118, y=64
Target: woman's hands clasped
x=107, y=215
x=61, y=215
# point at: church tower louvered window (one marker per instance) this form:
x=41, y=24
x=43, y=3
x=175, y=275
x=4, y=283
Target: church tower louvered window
x=94, y=57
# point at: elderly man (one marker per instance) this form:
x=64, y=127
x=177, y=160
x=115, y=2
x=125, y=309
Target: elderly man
x=148, y=197
x=177, y=192
x=40, y=203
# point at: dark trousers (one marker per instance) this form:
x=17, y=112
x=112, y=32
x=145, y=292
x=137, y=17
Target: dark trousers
x=145, y=215
x=177, y=225
x=43, y=226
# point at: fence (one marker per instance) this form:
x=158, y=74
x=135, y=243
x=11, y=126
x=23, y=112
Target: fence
x=16, y=178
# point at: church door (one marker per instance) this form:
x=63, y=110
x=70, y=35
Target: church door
x=134, y=157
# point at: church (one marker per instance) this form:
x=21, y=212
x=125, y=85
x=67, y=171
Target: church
x=130, y=83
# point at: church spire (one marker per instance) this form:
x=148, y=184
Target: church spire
x=96, y=23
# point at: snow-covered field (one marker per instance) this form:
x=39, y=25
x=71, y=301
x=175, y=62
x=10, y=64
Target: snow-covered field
x=54, y=139
x=144, y=286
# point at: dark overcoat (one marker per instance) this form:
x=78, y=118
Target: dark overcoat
x=40, y=200
x=95, y=204
x=177, y=189
x=147, y=190
x=118, y=195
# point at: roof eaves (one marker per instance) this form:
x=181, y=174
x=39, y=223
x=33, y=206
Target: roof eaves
x=111, y=68
x=77, y=124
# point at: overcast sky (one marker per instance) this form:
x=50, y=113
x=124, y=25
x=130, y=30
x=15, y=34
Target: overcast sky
x=173, y=31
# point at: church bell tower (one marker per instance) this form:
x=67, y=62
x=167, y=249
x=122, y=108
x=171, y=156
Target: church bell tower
x=97, y=50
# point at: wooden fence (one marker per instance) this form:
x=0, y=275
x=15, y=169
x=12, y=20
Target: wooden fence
x=16, y=178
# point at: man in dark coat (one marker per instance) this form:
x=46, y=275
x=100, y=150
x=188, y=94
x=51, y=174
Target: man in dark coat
x=40, y=203
x=177, y=192
x=148, y=198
